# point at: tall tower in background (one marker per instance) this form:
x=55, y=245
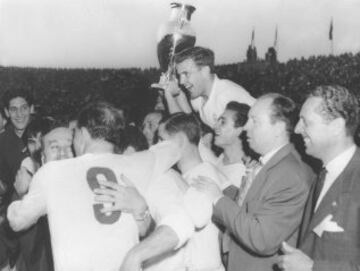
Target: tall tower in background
x=251, y=54
x=271, y=54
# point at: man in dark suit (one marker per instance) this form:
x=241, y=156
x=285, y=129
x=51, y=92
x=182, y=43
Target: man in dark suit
x=272, y=208
x=330, y=231
x=18, y=108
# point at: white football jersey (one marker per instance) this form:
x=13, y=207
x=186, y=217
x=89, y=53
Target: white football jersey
x=82, y=237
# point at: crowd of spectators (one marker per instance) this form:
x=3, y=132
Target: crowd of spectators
x=61, y=92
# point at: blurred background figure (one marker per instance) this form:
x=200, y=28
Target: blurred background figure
x=151, y=124
x=133, y=140
x=3, y=120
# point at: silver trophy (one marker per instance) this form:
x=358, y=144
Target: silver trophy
x=174, y=36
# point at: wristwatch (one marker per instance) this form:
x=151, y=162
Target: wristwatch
x=143, y=215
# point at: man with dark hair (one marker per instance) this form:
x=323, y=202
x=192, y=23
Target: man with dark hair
x=209, y=95
x=229, y=132
x=330, y=228
x=18, y=108
x=271, y=210
x=84, y=238
x=18, y=105
x=229, y=136
x=182, y=123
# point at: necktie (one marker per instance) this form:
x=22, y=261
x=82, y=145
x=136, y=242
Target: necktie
x=251, y=170
x=318, y=187
x=247, y=180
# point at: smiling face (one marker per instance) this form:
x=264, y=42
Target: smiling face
x=19, y=112
x=315, y=130
x=57, y=144
x=225, y=131
x=192, y=77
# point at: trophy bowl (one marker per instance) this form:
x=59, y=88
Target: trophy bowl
x=175, y=35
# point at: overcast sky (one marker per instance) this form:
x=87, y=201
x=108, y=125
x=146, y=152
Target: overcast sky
x=122, y=33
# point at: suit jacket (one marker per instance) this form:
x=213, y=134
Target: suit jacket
x=335, y=250
x=271, y=212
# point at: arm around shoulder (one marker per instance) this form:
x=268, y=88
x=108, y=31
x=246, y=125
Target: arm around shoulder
x=24, y=213
x=162, y=240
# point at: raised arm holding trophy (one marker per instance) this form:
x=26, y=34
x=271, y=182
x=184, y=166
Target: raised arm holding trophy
x=174, y=36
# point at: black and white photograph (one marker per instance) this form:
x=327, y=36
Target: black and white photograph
x=179, y=135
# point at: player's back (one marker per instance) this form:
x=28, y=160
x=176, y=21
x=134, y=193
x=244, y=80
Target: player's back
x=82, y=237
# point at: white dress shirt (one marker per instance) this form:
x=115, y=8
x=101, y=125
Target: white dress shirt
x=334, y=169
x=222, y=92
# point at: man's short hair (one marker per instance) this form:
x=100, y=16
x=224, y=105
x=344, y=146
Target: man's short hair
x=338, y=102
x=131, y=137
x=43, y=125
x=241, y=112
x=186, y=123
x=201, y=56
x=102, y=120
x=17, y=92
x=283, y=109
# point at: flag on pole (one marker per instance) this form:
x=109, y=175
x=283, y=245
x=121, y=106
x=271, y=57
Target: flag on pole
x=331, y=30
x=253, y=38
x=276, y=38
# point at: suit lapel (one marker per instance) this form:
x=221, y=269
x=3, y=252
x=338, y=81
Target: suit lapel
x=341, y=185
x=305, y=223
x=260, y=177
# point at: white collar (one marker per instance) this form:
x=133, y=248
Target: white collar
x=334, y=169
x=337, y=165
x=213, y=86
x=265, y=158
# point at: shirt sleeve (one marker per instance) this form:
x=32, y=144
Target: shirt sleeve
x=165, y=155
x=24, y=213
x=231, y=92
x=238, y=94
x=165, y=202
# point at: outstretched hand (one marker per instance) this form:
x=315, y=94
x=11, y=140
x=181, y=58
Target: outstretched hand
x=170, y=86
x=125, y=198
x=208, y=187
